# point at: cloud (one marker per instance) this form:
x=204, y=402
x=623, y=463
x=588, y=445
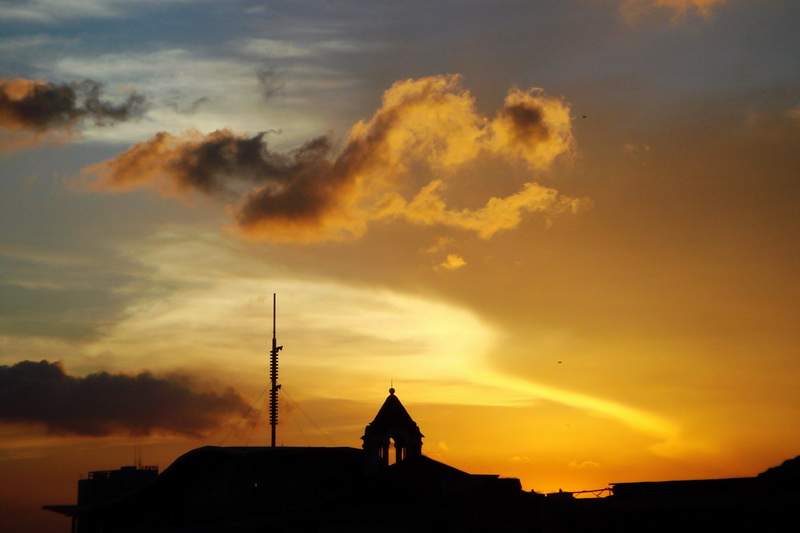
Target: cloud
x=104, y=404
x=313, y=194
x=635, y=150
x=671, y=441
x=56, y=11
x=442, y=243
x=270, y=80
x=36, y=108
x=498, y=214
x=179, y=96
x=633, y=9
x=50, y=11
x=583, y=464
x=453, y=262
x=192, y=107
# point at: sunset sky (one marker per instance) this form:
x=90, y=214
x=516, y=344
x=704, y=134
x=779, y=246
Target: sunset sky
x=565, y=231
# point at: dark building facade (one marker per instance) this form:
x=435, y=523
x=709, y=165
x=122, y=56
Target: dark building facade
x=249, y=489
x=105, y=485
x=391, y=424
x=287, y=489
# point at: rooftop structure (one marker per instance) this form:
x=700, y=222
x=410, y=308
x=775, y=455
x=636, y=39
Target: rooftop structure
x=391, y=424
x=299, y=489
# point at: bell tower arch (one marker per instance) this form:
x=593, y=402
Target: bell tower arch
x=392, y=423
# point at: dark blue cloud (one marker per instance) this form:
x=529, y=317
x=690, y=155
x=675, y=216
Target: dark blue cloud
x=104, y=404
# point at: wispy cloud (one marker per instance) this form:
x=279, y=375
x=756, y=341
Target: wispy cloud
x=31, y=43
x=175, y=79
x=583, y=464
x=32, y=110
x=634, y=9
x=671, y=442
x=53, y=11
x=50, y=11
x=372, y=333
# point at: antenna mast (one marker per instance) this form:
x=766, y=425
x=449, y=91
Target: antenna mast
x=273, y=376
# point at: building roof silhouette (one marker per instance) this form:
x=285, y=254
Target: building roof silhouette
x=254, y=489
x=250, y=488
x=393, y=414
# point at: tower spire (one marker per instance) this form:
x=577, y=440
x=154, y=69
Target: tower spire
x=392, y=423
x=273, y=374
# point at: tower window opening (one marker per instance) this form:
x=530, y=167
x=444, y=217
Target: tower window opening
x=393, y=457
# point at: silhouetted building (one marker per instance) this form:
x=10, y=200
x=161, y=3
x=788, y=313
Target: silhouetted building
x=769, y=502
x=214, y=489
x=104, y=485
x=255, y=489
x=392, y=423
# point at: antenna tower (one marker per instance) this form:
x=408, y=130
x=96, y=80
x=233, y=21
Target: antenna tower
x=273, y=376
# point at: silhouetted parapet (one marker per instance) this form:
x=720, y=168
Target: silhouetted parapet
x=258, y=489
x=422, y=494
x=420, y=479
x=684, y=488
x=391, y=423
x=106, y=485
x=789, y=470
x=213, y=484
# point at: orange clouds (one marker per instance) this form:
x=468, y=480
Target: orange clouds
x=532, y=127
x=33, y=109
x=452, y=262
x=310, y=194
x=681, y=6
x=498, y=214
x=634, y=8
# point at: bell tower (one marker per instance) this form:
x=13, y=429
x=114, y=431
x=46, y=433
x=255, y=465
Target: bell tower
x=391, y=423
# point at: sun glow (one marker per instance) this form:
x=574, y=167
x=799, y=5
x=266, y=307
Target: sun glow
x=342, y=341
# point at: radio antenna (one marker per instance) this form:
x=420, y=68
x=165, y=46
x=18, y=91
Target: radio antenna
x=273, y=375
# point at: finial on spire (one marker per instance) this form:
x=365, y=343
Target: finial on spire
x=391, y=386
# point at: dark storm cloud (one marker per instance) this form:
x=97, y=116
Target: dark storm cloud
x=250, y=160
x=39, y=106
x=220, y=160
x=305, y=189
x=296, y=185
x=104, y=404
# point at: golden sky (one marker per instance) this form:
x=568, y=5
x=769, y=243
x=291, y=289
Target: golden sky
x=566, y=232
